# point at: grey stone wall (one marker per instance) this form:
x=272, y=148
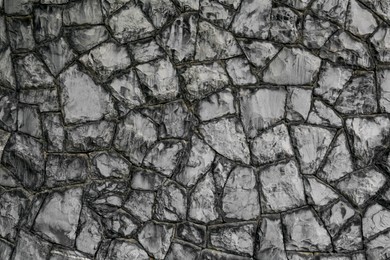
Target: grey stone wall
x=194, y=129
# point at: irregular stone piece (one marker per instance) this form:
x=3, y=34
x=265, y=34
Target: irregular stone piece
x=180, y=37
x=344, y=48
x=227, y=137
x=376, y=219
x=146, y=51
x=4, y=136
x=140, y=204
x=57, y=55
x=378, y=248
x=338, y=163
x=221, y=170
x=380, y=7
x=159, y=11
x=5, y=249
x=216, y=105
x=82, y=99
x=31, y=247
x=200, y=80
x=179, y=251
x=106, y=59
x=64, y=169
x=156, y=238
x=334, y=10
x=316, y=31
x=3, y=36
x=261, y=108
x=84, y=39
x=321, y=114
x=20, y=31
x=191, y=232
x=240, y=71
x=90, y=234
x=13, y=207
x=121, y=249
x=199, y=162
x=331, y=82
x=130, y=24
x=65, y=254
x=369, y=182
x=120, y=223
x=22, y=7
x=214, y=43
x=284, y=23
x=127, y=89
x=160, y=77
x=7, y=77
x=218, y=14
x=318, y=193
x=210, y=254
x=305, y=232
x=383, y=79
x=32, y=73
x=29, y=121
x=240, y=198
x=110, y=164
x=243, y=242
x=358, y=95
x=53, y=131
x=271, y=244
x=312, y=142
x=23, y=155
x=350, y=238
x=83, y=12
x=203, y=201
x=281, y=187
x=336, y=216
x=298, y=103
x=253, y=19
x=47, y=22
x=356, y=15
x=292, y=66
x=380, y=41
x=45, y=99
x=259, y=53
x=171, y=202
x=59, y=216
x=6, y=178
x=90, y=137
x=368, y=135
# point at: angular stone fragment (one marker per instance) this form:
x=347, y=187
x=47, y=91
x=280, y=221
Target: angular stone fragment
x=200, y=80
x=20, y=31
x=83, y=12
x=383, y=80
x=304, y=231
x=338, y=163
x=298, y=103
x=140, y=204
x=316, y=31
x=22, y=7
x=82, y=99
x=253, y=19
x=217, y=13
x=106, y=59
x=110, y=164
x=376, y=219
x=84, y=39
x=160, y=78
x=7, y=179
x=7, y=76
x=292, y=66
x=121, y=249
x=64, y=169
x=4, y=136
x=261, y=108
x=355, y=17
x=120, y=223
x=210, y=254
x=181, y=250
x=214, y=43
x=126, y=88
x=344, y=48
x=321, y=114
x=5, y=249
x=284, y=25
x=259, y=53
x=221, y=170
x=109, y=7
x=240, y=198
x=54, y=132
x=221, y=237
x=216, y=105
x=358, y=95
x=191, y=232
x=281, y=187
x=378, y=248
x=29, y=121
x=240, y=71
x=368, y=135
x=312, y=142
x=303, y=256
x=47, y=22
x=318, y=193
x=59, y=216
x=369, y=182
x=31, y=247
x=156, y=238
x=130, y=24
x=171, y=202
x=271, y=244
x=23, y=155
x=227, y=137
x=13, y=207
x=180, y=37
x=90, y=137
x=45, y=99
x=199, y=162
x=350, y=238
x=90, y=233
x=380, y=41
x=336, y=216
x=380, y=7
x=203, y=201
x=32, y=73
x=331, y=82
x=334, y=10
x=146, y=51
x=159, y=11
x=57, y=55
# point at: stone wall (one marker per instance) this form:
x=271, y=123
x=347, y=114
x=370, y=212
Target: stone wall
x=194, y=129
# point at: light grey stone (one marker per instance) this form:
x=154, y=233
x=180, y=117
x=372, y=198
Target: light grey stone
x=127, y=89
x=380, y=7
x=29, y=121
x=66, y=254
x=221, y=170
x=318, y=193
x=380, y=41
x=6, y=177
x=171, y=202
x=298, y=103
x=47, y=22
x=297, y=4
x=271, y=244
x=334, y=10
x=121, y=249
x=31, y=247
x=84, y=39
x=378, y=248
x=54, y=132
x=383, y=80
x=3, y=32
x=156, y=238
x=215, y=12
x=191, y=232
x=284, y=25
x=14, y=204
x=376, y=219
x=159, y=11
x=350, y=238
x=259, y=53
x=209, y=254
x=180, y=251
x=321, y=114
x=216, y=105
x=189, y=4
x=83, y=12
x=5, y=249
x=357, y=14
x=140, y=204
x=146, y=51
x=110, y=164
x=316, y=31
x=240, y=71
x=8, y=110
x=90, y=233
x=336, y=216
